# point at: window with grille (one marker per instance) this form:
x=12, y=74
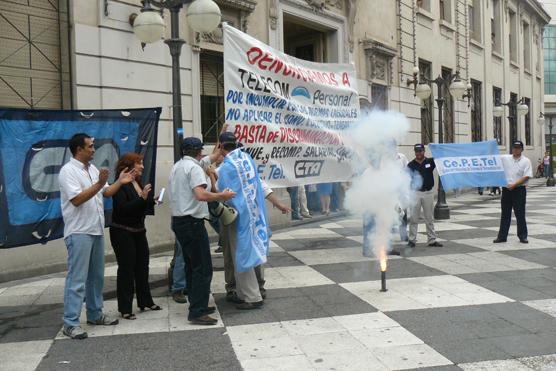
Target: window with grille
x=448, y=116
x=497, y=122
x=379, y=96
x=427, y=130
x=34, y=55
x=513, y=118
x=212, y=95
x=476, y=112
x=527, y=101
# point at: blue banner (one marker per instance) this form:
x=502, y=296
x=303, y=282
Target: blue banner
x=33, y=149
x=466, y=165
x=238, y=173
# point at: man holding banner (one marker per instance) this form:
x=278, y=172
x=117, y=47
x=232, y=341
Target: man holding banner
x=518, y=171
x=479, y=164
x=247, y=237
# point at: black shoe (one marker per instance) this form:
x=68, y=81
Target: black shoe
x=499, y=240
x=179, y=297
x=232, y=297
x=411, y=244
x=210, y=310
x=435, y=244
x=523, y=240
x=218, y=250
x=247, y=306
x=204, y=320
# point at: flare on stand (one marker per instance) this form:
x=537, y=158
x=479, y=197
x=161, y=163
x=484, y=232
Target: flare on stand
x=383, y=266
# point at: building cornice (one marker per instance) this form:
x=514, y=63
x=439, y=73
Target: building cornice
x=539, y=9
x=246, y=5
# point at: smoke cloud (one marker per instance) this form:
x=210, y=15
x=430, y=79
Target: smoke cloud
x=381, y=187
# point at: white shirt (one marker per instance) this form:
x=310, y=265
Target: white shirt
x=186, y=175
x=87, y=218
x=266, y=189
x=402, y=160
x=516, y=168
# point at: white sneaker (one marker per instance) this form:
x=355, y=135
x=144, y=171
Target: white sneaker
x=104, y=321
x=75, y=332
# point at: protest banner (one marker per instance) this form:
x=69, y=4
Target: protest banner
x=290, y=114
x=33, y=149
x=465, y=165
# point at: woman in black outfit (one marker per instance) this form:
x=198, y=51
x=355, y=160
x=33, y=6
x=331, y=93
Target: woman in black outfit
x=129, y=240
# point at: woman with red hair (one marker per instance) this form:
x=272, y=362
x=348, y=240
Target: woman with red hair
x=129, y=239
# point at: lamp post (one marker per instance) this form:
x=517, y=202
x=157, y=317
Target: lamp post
x=148, y=26
x=458, y=90
x=550, y=182
x=518, y=105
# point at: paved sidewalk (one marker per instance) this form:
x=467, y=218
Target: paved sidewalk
x=469, y=305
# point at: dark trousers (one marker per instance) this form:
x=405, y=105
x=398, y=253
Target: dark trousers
x=193, y=238
x=514, y=199
x=132, y=255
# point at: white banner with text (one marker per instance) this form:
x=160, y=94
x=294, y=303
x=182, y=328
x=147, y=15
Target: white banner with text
x=290, y=114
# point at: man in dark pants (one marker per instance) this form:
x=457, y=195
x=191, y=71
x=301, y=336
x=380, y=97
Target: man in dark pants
x=518, y=171
x=188, y=204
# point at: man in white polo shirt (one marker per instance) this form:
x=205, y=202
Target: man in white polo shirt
x=518, y=171
x=189, y=194
x=82, y=187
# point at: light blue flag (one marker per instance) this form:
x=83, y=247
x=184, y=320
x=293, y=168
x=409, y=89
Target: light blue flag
x=466, y=165
x=238, y=173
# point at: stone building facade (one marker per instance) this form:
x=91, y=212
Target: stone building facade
x=84, y=55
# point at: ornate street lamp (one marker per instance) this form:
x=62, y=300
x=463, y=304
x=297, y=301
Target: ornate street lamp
x=458, y=89
x=149, y=27
x=550, y=182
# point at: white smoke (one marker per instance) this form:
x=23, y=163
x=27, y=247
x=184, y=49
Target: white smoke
x=381, y=187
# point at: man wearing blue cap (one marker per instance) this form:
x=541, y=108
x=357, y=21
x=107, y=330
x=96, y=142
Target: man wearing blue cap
x=189, y=193
x=424, y=167
x=518, y=171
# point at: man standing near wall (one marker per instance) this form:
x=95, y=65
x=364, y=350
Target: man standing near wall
x=82, y=187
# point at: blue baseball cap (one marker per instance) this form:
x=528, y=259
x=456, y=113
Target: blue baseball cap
x=191, y=143
x=518, y=143
x=419, y=147
x=227, y=137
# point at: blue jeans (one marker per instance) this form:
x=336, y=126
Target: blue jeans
x=178, y=273
x=85, y=279
x=403, y=227
x=369, y=226
x=294, y=202
x=193, y=238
